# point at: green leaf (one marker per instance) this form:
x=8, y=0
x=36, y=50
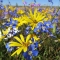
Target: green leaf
x=0, y=58
x=54, y=29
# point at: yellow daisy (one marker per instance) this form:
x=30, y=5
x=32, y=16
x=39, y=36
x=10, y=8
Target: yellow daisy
x=21, y=43
x=35, y=17
x=21, y=20
x=20, y=12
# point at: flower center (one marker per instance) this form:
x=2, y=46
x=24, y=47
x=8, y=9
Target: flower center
x=25, y=44
x=35, y=21
x=30, y=52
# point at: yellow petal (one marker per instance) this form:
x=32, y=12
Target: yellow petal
x=22, y=38
x=22, y=22
x=14, y=53
x=27, y=38
x=35, y=13
x=14, y=44
x=18, y=39
x=24, y=49
x=5, y=32
x=36, y=38
x=31, y=14
x=17, y=51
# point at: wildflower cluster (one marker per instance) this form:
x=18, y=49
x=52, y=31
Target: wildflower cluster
x=22, y=30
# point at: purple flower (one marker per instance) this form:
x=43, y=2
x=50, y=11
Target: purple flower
x=40, y=9
x=58, y=12
x=38, y=5
x=24, y=2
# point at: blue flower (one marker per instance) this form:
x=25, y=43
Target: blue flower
x=36, y=44
x=32, y=39
x=12, y=23
x=12, y=32
x=58, y=12
x=58, y=30
x=53, y=14
x=1, y=7
x=40, y=10
x=55, y=20
x=31, y=52
x=10, y=12
x=7, y=24
x=28, y=57
x=44, y=29
x=48, y=24
x=51, y=35
x=13, y=13
x=32, y=49
x=27, y=30
x=9, y=49
x=38, y=28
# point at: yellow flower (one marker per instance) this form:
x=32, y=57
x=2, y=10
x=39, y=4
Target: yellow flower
x=35, y=17
x=11, y=8
x=35, y=37
x=5, y=32
x=20, y=12
x=21, y=44
x=49, y=16
x=21, y=20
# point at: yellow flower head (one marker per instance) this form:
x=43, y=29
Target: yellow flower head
x=35, y=17
x=5, y=32
x=20, y=12
x=11, y=8
x=21, y=20
x=49, y=16
x=21, y=43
